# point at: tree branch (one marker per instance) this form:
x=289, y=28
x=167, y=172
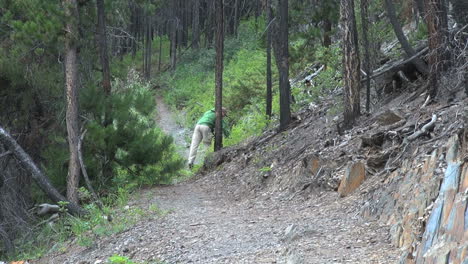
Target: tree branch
x=423, y=130
x=85, y=173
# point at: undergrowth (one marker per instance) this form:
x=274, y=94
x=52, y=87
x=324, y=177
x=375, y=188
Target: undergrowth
x=57, y=235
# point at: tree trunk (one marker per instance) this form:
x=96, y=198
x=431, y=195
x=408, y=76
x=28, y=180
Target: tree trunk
x=420, y=7
x=327, y=26
x=219, y=7
x=436, y=20
x=351, y=64
x=364, y=23
x=269, y=94
x=281, y=47
x=419, y=63
x=210, y=24
x=173, y=36
x=148, y=44
x=180, y=24
x=257, y=14
x=41, y=180
x=196, y=25
x=106, y=83
x=236, y=17
x=71, y=74
x=135, y=28
x=160, y=48
x=102, y=41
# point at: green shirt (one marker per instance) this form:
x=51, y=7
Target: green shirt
x=209, y=119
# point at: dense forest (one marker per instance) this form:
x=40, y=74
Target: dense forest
x=78, y=81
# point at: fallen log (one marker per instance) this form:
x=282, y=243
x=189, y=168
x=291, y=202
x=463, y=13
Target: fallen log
x=42, y=181
x=395, y=67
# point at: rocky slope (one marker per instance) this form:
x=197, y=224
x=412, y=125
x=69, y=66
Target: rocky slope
x=404, y=166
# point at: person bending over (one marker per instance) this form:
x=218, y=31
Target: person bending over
x=203, y=132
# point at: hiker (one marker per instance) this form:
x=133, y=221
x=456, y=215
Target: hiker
x=203, y=131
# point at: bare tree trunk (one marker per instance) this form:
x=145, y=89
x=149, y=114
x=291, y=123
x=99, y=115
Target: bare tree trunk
x=257, y=14
x=184, y=24
x=364, y=23
x=196, y=25
x=281, y=47
x=71, y=74
x=436, y=19
x=236, y=17
x=173, y=36
x=327, y=26
x=41, y=180
x=419, y=63
x=148, y=44
x=160, y=48
x=102, y=40
x=351, y=64
x=420, y=7
x=106, y=83
x=210, y=23
x=134, y=31
x=219, y=7
x=269, y=94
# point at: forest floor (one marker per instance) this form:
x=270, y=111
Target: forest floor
x=201, y=222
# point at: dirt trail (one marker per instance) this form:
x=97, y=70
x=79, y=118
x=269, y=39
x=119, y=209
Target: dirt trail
x=205, y=225
x=165, y=119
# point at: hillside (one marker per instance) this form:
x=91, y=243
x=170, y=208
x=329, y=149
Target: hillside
x=274, y=198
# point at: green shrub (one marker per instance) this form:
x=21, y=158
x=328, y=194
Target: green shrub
x=132, y=142
x=117, y=259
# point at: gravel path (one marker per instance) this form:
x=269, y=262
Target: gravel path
x=203, y=225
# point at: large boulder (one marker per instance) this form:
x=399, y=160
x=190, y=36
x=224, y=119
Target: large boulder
x=355, y=174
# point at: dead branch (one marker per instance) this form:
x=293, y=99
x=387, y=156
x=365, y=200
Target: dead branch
x=5, y=154
x=426, y=102
x=395, y=67
x=396, y=125
x=45, y=208
x=422, y=131
x=42, y=181
x=442, y=135
x=313, y=75
x=85, y=173
x=49, y=220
